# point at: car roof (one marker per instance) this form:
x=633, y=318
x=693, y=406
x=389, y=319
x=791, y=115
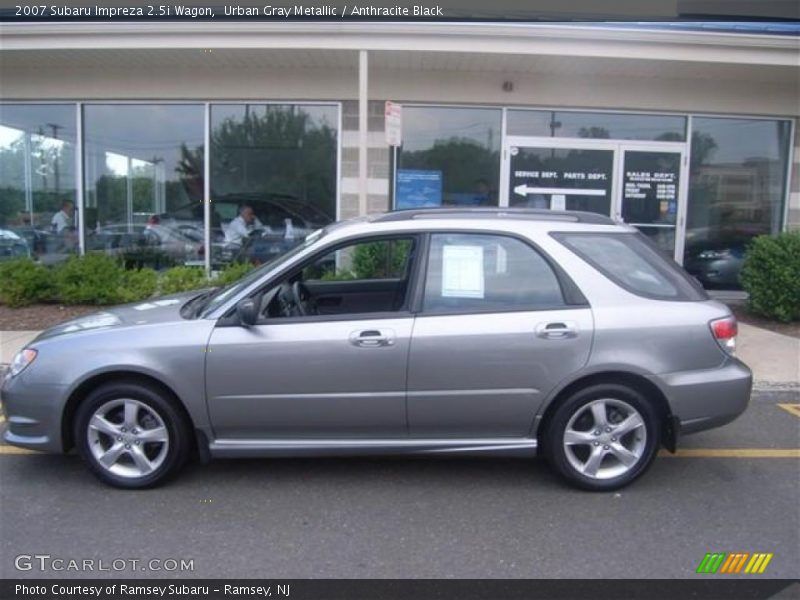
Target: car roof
x=528, y=214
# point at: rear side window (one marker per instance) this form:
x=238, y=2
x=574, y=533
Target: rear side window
x=632, y=263
x=484, y=273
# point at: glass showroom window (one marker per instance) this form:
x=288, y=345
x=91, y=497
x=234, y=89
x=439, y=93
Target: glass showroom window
x=450, y=157
x=144, y=182
x=612, y=126
x=736, y=192
x=273, y=177
x=37, y=181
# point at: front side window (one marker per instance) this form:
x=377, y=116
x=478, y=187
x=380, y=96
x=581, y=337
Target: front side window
x=369, y=260
x=364, y=277
x=484, y=273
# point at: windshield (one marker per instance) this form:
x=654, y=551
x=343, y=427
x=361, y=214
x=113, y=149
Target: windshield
x=216, y=300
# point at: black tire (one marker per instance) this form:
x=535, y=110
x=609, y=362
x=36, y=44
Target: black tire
x=179, y=440
x=578, y=405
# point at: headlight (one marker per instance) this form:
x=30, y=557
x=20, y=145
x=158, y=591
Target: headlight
x=21, y=360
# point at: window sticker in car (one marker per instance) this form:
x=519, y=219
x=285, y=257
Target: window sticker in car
x=462, y=272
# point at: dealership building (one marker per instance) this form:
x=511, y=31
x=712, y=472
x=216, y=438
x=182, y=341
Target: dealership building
x=122, y=136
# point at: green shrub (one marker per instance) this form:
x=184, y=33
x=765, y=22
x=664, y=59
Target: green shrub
x=380, y=260
x=90, y=279
x=771, y=276
x=138, y=284
x=23, y=282
x=182, y=279
x=233, y=272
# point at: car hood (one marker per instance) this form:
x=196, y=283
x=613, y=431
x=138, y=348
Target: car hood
x=159, y=310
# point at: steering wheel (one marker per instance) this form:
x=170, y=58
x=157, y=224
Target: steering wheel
x=303, y=300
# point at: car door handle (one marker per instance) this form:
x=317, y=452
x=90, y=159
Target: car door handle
x=557, y=330
x=372, y=338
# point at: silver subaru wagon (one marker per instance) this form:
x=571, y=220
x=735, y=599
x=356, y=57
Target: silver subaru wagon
x=447, y=332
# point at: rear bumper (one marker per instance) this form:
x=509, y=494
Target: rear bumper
x=706, y=399
x=33, y=414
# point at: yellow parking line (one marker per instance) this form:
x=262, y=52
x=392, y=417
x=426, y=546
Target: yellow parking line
x=15, y=450
x=733, y=453
x=791, y=408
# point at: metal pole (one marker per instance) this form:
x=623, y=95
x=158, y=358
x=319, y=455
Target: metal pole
x=394, y=178
x=207, y=189
x=129, y=194
x=79, y=200
x=28, y=178
x=363, y=66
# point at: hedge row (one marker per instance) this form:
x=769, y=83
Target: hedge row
x=771, y=276
x=99, y=279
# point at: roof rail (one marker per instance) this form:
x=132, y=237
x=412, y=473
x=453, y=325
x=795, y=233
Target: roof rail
x=536, y=214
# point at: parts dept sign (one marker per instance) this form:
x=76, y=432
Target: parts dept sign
x=551, y=189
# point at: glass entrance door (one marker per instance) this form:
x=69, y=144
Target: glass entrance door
x=640, y=183
x=650, y=194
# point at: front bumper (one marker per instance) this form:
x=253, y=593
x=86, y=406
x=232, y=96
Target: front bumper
x=33, y=414
x=710, y=398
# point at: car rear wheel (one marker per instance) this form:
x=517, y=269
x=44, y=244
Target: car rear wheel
x=603, y=437
x=131, y=435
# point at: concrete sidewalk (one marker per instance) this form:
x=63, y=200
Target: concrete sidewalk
x=12, y=342
x=774, y=358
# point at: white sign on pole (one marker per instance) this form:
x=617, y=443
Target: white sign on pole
x=394, y=123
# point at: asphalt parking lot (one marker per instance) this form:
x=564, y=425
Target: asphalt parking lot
x=735, y=489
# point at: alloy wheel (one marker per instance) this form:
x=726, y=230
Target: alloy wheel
x=128, y=438
x=605, y=438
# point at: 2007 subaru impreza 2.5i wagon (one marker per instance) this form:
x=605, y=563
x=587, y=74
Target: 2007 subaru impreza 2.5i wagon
x=478, y=331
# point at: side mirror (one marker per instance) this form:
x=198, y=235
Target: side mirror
x=247, y=311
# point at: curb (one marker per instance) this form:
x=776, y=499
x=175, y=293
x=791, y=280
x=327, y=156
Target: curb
x=776, y=386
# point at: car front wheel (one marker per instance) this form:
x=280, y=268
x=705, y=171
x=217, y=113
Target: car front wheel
x=603, y=437
x=131, y=435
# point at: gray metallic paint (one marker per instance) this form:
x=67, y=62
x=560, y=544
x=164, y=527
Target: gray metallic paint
x=254, y=386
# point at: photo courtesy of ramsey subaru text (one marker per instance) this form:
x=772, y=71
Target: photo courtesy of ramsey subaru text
x=511, y=332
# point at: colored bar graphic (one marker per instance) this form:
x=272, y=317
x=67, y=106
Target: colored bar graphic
x=758, y=564
x=711, y=562
x=735, y=562
x=732, y=563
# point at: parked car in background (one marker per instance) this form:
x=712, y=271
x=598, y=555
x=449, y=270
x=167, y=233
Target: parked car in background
x=12, y=245
x=150, y=244
x=45, y=245
x=716, y=266
x=462, y=331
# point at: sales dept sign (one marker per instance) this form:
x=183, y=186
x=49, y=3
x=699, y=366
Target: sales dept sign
x=394, y=123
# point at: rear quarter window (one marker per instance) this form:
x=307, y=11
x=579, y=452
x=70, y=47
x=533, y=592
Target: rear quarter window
x=630, y=261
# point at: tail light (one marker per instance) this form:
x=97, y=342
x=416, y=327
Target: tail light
x=725, y=331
